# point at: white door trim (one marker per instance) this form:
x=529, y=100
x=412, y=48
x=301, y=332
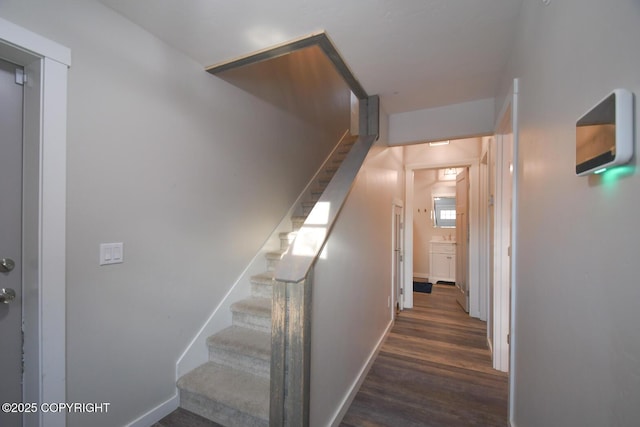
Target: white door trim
x=408, y=238
x=508, y=325
x=44, y=215
x=397, y=204
x=473, y=164
x=483, y=238
x=515, y=123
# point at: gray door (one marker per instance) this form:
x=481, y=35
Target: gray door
x=10, y=241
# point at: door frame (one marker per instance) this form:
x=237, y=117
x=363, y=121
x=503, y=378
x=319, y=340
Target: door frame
x=473, y=164
x=397, y=204
x=508, y=268
x=462, y=248
x=484, y=238
x=44, y=216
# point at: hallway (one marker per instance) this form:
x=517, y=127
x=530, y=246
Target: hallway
x=433, y=370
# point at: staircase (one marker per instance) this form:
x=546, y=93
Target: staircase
x=233, y=387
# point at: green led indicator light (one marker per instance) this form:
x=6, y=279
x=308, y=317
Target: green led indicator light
x=599, y=171
x=615, y=174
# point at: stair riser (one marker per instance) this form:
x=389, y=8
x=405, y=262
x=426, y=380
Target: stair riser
x=297, y=223
x=328, y=173
x=286, y=239
x=217, y=412
x=271, y=264
x=251, y=321
x=338, y=160
x=253, y=365
x=273, y=258
x=259, y=290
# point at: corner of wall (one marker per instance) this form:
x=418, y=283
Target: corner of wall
x=157, y=413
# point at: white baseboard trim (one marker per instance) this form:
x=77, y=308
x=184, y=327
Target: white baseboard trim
x=355, y=387
x=156, y=414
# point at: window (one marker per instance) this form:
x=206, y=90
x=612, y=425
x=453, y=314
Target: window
x=444, y=211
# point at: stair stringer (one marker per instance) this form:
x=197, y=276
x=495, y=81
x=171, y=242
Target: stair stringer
x=196, y=352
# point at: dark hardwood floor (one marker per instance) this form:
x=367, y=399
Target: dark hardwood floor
x=183, y=418
x=434, y=369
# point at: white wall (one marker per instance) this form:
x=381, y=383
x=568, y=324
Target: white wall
x=353, y=283
x=577, y=340
x=188, y=171
x=449, y=122
x=460, y=149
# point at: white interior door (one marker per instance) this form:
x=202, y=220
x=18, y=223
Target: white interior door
x=503, y=247
x=504, y=213
x=398, y=259
x=462, y=238
x=491, y=253
x=11, y=98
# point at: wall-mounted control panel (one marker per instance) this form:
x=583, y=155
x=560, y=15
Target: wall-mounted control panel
x=111, y=253
x=605, y=133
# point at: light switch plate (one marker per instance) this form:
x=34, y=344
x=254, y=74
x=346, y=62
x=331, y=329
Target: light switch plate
x=111, y=253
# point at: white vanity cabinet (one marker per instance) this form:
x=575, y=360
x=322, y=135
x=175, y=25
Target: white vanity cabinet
x=442, y=261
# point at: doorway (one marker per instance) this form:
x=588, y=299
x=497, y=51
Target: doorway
x=411, y=212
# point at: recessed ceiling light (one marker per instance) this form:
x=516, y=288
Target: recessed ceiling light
x=435, y=144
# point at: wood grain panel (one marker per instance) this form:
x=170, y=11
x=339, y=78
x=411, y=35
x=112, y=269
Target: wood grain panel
x=434, y=369
x=304, y=83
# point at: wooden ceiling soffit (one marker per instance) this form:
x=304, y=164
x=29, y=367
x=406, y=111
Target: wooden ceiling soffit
x=320, y=39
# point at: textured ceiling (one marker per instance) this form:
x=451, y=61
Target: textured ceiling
x=413, y=53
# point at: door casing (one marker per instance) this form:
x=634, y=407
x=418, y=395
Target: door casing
x=462, y=234
x=505, y=236
x=398, y=289
x=44, y=215
x=474, y=249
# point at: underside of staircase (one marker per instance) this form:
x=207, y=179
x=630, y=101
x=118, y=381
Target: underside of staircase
x=233, y=387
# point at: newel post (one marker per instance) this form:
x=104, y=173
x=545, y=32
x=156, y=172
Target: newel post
x=290, y=353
